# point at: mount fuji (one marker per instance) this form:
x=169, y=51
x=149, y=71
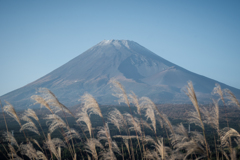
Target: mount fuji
x=135, y=67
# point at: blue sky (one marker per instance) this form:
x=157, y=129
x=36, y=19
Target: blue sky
x=37, y=37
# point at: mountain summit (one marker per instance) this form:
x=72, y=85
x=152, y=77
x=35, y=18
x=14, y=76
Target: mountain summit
x=136, y=67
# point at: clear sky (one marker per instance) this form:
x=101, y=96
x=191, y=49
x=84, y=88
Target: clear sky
x=37, y=37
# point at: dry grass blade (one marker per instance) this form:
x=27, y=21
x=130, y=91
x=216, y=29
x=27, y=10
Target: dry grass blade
x=9, y=109
x=90, y=104
x=54, y=122
x=150, y=115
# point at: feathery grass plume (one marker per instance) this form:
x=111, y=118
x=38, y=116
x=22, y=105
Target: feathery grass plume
x=30, y=113
x=134, y=122
x=232, y=97
x=13, y=154
x=8, y=137
x=42, y=102
x=134, y=100
x=107, y=155
x=120, y=92
x=181, y=135
x=90, y=104
x=40, y=155
x=104, y=134
x=72, y=133
x=169, y=124
x=54, y=122
x=36, y=142
x=115, y=117
x=192, y=96
x=212, y=115
x=217, y=90
x=150, y=115
x=144, y=123
x=53, y=145
x=83, y=117
x=28, y=150
x=91, y=145
x=9, y=109
x=226, y=134
x=148, y=106
x=29, y=125
x=161, y=150
x=52, y=100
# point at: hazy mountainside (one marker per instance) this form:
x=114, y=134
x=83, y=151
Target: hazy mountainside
x=137, y=68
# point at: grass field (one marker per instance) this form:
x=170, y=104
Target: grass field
x=138, y=129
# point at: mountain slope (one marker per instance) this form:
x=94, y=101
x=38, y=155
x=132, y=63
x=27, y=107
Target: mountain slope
x=136, y=67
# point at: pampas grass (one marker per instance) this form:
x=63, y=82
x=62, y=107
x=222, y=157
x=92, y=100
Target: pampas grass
x=181, y=144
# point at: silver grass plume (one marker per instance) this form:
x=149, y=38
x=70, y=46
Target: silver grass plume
x=134, y=122
x=232, y=97
x=13, y=154
x=104, y=134
x=134, y=100
x=42, y=156
x=52, y=100
x=9, y=109
x=30, y=113
x=36, y=142
x=90, y=104
x=28, y=150
x=53, y=145
x=148, y=106
x=30, y=125
x=83, y=117
x=54, y=122
x=8, y=137
x=226, y=134
x=217, y=90
x=161, y=150
x=212, y=115
x=181, y=135
x=42, y=102
x=115, y=117
x=120, y=92
x=107, y=155
x=91, y=145
x=192, y=96
x=72, y=133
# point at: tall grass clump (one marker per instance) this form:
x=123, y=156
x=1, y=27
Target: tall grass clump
x=140, y=130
